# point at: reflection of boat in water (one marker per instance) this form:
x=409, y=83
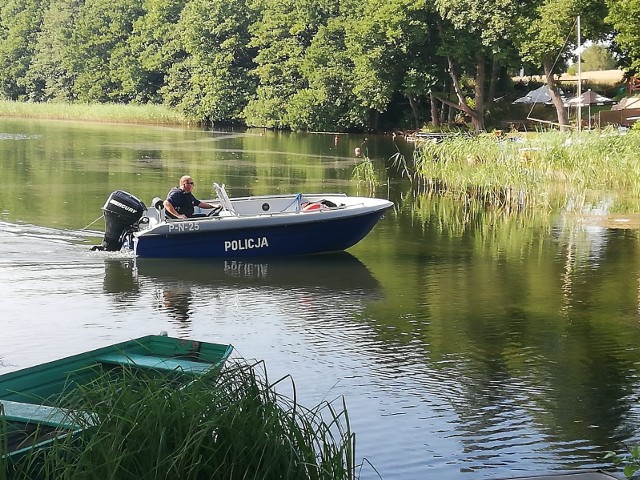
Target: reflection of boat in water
x=260, y=226
x=336, y=271
x=302, y=285
x=118, y=276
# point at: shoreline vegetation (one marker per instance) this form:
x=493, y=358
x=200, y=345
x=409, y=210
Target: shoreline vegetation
x=548, y=170
x=97, y=112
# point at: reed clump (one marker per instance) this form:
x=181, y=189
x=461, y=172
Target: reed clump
x=536, y=170
x=233, y=425
x=364, y=173
x=96, y=112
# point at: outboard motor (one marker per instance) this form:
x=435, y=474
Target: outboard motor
x=122, y=212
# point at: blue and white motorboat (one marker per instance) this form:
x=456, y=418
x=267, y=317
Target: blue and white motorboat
x=256, y=226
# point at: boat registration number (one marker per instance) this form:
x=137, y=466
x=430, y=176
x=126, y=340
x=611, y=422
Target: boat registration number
x=245, y=244
x=184, y=227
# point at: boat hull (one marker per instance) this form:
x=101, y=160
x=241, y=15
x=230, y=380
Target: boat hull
x=240, y=238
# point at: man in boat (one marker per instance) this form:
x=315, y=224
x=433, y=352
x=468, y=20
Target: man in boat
x=180, y=201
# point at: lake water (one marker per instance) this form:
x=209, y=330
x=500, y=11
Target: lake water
x=467, y=344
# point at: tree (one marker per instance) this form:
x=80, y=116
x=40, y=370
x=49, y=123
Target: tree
x=281, y=34
x=476, y=34
x=99, y=47
x=624, y=17
x=549, y=37
x=20, y=22
x=152, y=48
x=327, y=103
x=213, y=82
x=597, y=57
x=393, y=46
x=50, y=76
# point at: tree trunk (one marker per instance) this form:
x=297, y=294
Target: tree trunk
x=446, y=115
x=435, y=115
x=413, y=103
x=451, y=113
x=493, y=81
x=563, y=118
x=477, y=120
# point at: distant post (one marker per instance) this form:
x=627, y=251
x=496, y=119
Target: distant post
x=579, y=93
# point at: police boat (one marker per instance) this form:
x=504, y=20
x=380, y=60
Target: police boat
x=256, y=226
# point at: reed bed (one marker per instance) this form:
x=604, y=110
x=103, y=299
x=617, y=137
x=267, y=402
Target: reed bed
x=233, y=425
x=538, y=170
x=98, y=112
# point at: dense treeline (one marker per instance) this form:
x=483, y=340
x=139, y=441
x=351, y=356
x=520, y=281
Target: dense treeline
x=330, y=65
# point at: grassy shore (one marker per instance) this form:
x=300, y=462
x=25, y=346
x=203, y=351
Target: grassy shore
x=98, y=112
x=546, y=170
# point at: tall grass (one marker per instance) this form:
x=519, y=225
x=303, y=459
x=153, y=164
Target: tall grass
x=231, y=426
x=538, y=170
x=99, y=112
x=365, y=174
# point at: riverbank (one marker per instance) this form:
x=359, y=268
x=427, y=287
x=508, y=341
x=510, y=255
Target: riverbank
x=98, y=112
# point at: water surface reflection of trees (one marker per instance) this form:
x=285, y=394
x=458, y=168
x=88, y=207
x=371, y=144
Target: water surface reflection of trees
x=537, y=309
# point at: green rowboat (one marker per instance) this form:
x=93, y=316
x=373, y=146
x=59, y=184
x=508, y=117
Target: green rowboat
x=29, y=415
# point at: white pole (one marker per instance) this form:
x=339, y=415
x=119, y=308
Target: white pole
x=579, y=79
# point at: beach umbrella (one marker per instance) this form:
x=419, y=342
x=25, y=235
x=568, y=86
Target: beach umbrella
x=539, y=95
x=587, y=99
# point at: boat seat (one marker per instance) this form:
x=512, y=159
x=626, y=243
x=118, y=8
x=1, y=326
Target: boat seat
x=160, y=364
x=156, y=212
x=224, y=198
x=43, y=414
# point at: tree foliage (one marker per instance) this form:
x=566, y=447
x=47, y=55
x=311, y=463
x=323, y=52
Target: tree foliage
x=624, y=17
x=50, y=76
x=393, y=51
x=213, y=80
x=476, y=34
x=282, y=34
x=329, y=65
x=20, y=22
x=154, y=47
x=595, y=57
